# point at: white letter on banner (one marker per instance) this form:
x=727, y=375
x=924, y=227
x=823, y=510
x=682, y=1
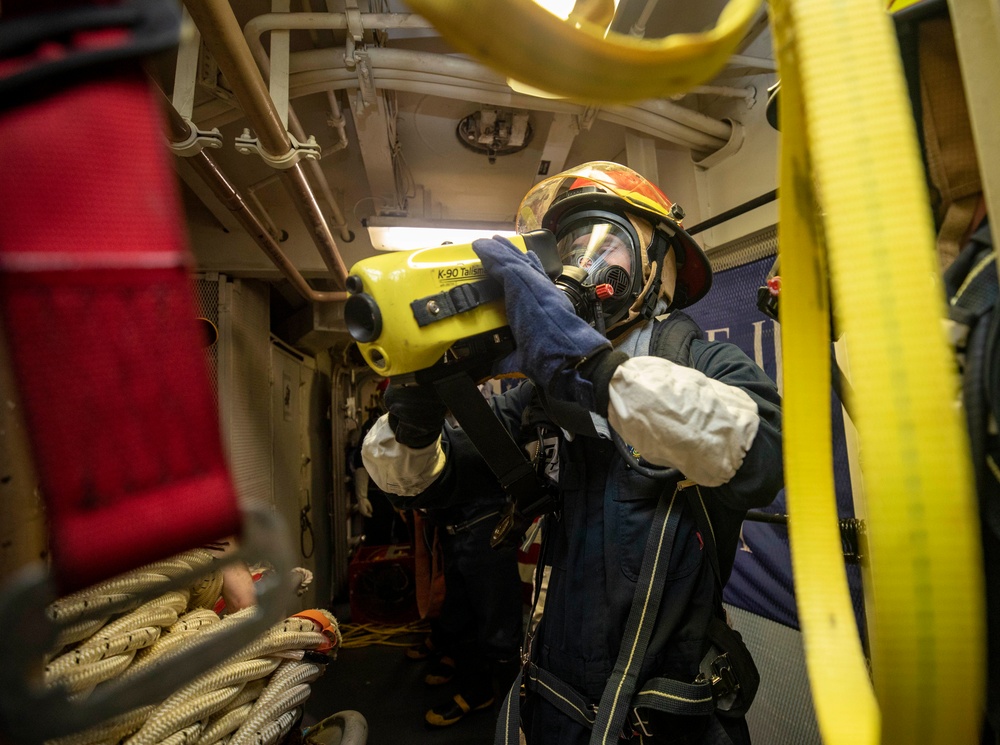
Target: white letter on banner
x=712, y=333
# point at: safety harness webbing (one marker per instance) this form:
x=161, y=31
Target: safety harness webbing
x=99, y=315
x=617, y=696
x=526, y=491
x=616, y=701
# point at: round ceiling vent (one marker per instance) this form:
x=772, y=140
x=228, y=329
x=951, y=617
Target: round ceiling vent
x=494, y=132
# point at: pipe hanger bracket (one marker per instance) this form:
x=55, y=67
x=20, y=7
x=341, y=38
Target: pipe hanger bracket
x=196, y=141
x=310, y=149
x=366, y=77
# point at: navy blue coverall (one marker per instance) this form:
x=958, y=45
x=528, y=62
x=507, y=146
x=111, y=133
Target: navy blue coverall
x=595, y=544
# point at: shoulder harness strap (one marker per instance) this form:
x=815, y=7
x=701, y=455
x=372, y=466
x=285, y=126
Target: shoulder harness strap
x=672, y=337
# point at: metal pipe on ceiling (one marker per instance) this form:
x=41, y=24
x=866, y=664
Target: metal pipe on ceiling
x=640, y=119
x=337, y=120
x=320, y=178
x=411, y=60
x=229, y=195
x=646, y=118
x=224, y=39
x=329, y=21
x=453, y=77
x=314, y=167
x=639, y=27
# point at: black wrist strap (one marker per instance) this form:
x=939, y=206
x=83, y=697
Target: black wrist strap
x=598, y=370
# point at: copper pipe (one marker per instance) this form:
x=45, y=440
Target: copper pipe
x=223, y=36
x=224, y=39
x=229, y=195
x=295, y=181
x=320, y=179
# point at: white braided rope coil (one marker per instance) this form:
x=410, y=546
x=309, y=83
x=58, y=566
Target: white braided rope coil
x=233, y=699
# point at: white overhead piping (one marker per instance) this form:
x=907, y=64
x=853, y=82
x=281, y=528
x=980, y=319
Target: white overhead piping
x=279, y=95
x=336, y=120
x=639, y=27
x=330, y=21
x=633, y=117
x=647, y=120
x=466, y=71
x=383, y=21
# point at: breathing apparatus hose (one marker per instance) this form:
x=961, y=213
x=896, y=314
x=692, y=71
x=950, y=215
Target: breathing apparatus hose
x=641, y=466
x=854, y=206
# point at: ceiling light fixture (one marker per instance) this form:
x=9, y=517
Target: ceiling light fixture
x=559, y=8
x=404, y=234
x=600, y=12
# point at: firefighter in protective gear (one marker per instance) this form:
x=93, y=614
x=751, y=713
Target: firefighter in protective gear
x=620, y=227
x=632, y=641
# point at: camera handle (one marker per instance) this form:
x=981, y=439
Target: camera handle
x=528, y=493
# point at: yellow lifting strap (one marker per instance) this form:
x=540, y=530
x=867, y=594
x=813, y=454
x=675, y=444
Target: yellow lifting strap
x=854, y=213
x=524, y=41
x=851, y=178
x=841, y=689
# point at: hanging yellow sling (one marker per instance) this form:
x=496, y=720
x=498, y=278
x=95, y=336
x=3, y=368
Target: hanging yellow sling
x=850, y=163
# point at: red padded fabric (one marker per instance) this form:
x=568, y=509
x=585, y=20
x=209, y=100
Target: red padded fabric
x=99, y=313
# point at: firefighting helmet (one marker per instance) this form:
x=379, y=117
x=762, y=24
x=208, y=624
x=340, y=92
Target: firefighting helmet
x=618, y=226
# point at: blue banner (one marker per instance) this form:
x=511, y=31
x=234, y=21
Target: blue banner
x=762, y=581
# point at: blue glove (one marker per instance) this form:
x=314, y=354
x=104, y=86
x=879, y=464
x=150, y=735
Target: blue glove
x=552, y=340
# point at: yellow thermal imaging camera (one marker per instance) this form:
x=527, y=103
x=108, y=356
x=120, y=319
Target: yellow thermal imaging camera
x=432, y=316
x=421, y=314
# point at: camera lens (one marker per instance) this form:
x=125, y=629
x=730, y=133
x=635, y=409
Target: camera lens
x=363, y=317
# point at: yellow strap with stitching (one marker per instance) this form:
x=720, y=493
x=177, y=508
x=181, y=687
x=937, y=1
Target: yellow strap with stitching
x=842, y=693
x=526, y=42
x=849, y=144
x=853, y=198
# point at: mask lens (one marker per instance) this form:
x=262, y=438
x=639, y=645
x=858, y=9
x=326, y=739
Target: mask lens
x=602, y=249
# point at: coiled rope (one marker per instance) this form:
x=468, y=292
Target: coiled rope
x=255, y=696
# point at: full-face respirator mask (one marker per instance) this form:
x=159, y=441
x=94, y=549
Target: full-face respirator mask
x=600, y=272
